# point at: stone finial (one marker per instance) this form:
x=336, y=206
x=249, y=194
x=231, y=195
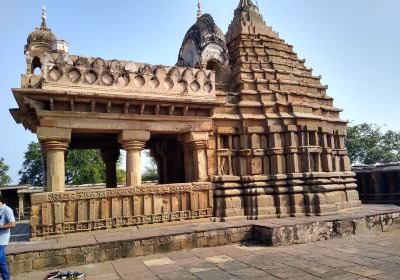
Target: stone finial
x=245, y=5
x=44, y=18
x=199, y=11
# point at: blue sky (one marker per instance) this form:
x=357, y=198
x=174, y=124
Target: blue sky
x=353, y=44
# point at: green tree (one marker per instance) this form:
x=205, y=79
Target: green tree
x=121, y=175
x=150, y=173
x=81, y=167
x=84, y=167
x=368, y=144
x=32, y=167
x=4, y=168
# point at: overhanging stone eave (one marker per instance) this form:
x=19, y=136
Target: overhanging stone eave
x=16, y=114
x=20, y=92
x=19, y=97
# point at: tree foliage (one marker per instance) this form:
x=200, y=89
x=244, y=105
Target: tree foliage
x=150, y=173
x=84, y=167
x=32, y=167
x=4, y=168
x=81, y=167
x=369, y=144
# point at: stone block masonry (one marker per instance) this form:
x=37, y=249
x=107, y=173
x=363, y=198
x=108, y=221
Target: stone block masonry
x=94, y=247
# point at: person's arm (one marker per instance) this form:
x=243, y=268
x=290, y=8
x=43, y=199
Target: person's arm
x=10, y=219
x=9, y=225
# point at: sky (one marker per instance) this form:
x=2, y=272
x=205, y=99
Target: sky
x=353, y=44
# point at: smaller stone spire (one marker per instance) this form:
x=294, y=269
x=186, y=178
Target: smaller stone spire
x=43, y=26
x=245, y=3
x=199, y=11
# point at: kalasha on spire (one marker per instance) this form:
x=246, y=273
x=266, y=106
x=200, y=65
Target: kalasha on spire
x=43, y=26
x=199, y=11
x=246, y=3
x=42, y=34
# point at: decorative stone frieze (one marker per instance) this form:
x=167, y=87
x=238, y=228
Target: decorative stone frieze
x=61, y=70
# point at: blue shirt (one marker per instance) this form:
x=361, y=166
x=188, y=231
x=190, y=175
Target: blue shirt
x=6, y=216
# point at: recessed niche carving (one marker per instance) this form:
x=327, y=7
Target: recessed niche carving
x=123, y=81
x=182, y=86
x=168, y=84
x=195, y=86
x=74, y=75
x=154, y=82
x=208, y=87
x=174, y=73
x=139, y=81
x=201, y=76
x=107, y=79
x=55, y=74
x=90, y=77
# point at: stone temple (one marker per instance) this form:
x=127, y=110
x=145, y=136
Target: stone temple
x=239, y=127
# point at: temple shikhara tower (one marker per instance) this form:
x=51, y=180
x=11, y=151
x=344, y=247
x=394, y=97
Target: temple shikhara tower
x=239, y=128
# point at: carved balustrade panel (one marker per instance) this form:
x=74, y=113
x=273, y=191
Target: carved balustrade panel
x=84, y=210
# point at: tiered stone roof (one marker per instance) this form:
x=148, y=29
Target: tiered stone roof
x=267, y=72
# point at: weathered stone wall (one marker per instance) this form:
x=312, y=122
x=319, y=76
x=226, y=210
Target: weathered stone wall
x=85, y=210
x=379, y=184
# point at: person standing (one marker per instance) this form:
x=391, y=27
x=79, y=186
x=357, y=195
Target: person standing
x=7, y=221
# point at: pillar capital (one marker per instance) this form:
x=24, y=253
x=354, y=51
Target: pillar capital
x=55, y=150
x=133, y=135
x=135, y=145
x=193, y=137
x=53, y=134
x=133, y=141
x=54, y=145
x=196, y=145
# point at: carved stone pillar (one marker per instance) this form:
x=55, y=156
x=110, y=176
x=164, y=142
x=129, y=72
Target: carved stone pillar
x=326, y=154
x=110, y=158
x=196, y=144
x=21, y=206
x=188, y=160
x=133, y=142
x=54, y=143
x=133, y=162
x=200, y=160
x=55, y=151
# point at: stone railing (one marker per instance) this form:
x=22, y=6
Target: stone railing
x=85, y=210
x=379, y=184
x=78, y=73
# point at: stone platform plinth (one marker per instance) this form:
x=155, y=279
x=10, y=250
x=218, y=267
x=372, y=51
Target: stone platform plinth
x=100, y=246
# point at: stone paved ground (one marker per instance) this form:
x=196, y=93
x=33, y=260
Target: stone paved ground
x=373, y=256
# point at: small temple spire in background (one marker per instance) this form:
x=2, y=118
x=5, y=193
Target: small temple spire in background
x=199, y=11
x=44, y=18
